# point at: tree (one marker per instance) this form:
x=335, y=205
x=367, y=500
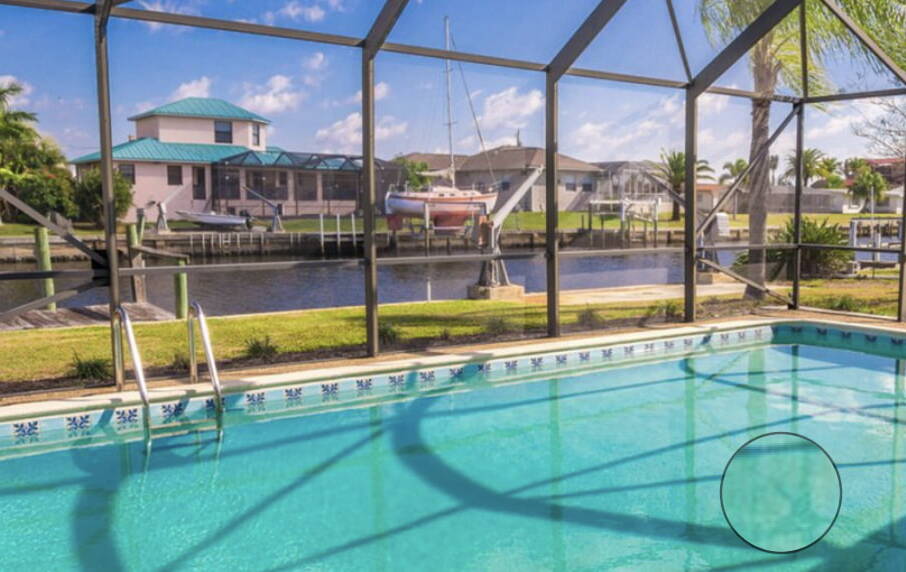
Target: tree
x=811, y=165
x=774, y=162
x=732, y=171
x=887, y=131
x=48, y=190
x=853, y=166
x=89, y=199
x=775, y=60
x=413, y=173
x=31, y=166
x=672, y=171
x=869, y=184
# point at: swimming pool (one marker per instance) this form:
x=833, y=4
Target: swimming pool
x=598, y=457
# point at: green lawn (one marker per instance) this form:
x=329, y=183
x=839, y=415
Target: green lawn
x=47, y=354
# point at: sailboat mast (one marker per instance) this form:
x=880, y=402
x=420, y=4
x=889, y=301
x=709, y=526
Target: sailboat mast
x=449, y=71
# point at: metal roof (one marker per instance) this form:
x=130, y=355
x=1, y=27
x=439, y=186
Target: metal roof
x=293, y=160
x=148, y=149
x=202, y=107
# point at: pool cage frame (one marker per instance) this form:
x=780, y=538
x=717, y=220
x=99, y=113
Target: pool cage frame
x=105, y=271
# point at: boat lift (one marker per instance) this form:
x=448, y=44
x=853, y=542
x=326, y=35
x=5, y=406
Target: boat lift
x=162, y=225
x=493, y=272
x=276, y=210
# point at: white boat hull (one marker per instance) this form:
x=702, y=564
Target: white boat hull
x=212, y=218
x=411, y=204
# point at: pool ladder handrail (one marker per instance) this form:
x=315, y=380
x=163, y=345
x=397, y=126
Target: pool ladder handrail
x=122, y=326
x=196, y=314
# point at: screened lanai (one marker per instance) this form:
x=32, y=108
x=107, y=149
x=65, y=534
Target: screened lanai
x=579, y=86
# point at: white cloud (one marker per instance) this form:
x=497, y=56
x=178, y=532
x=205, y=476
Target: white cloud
x=277, y=95
x=295, y=11
x=345, y=135
x=381, y=91
x=22, y=98
x=315, y=62
x=509, y=108
x=172, y=7
x=200, y=87
x=712, y=104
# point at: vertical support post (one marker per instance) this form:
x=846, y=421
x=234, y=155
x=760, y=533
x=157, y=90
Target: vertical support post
x=354, y=237
x=42, y=257
x=370, y=253
x=181, y=290
x=101, y=16
x=552, y=246
x=321, y=231
x=797, y=207
x=901, y=298
x=136, y=260
x=689, y=238
x=339, y=224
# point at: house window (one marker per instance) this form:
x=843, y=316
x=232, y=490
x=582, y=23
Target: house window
x=306, y=187
x=223, y=132
x=198, y=183
x=505, y=185
x=127, y=171
x=256, y=134
x=570, y=182
x=588, y=185
x=174, y=175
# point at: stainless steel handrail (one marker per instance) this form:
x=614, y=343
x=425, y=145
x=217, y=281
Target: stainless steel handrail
x=197, y=314
x=122, y=325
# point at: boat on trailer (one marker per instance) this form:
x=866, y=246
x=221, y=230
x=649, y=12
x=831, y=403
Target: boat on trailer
x=212, y=218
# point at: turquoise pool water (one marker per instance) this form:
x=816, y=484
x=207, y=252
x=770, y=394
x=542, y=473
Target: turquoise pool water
x=617, y=468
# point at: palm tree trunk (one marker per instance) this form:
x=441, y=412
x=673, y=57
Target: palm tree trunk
x=676, y=210
x=760, y=175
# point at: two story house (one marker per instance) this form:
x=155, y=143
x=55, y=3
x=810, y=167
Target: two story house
x=201, y=154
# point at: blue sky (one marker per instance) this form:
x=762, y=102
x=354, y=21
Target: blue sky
x=310, y=91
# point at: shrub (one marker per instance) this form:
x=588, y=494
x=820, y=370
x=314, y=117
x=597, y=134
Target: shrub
x=91, y=369
x=261, y=349
x=497, y=325
x=445, y=335
x=180, y=361
x=89, y=198
x=388, y=335
x=845, y=303
x=589, y=318
x=48, y=190
x=815, y=263
x=672, y=310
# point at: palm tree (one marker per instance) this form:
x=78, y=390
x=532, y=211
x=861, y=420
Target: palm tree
x=775, y=60
x=828, y=166
x=853, y=166
x=811, y=165
x=774, y=162
x=869, y=185
x=732, y=170
x=14, y=124
x=672, y=171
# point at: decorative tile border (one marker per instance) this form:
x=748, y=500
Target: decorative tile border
x=316, y=396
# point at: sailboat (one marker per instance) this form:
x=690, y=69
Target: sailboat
x=447, y=206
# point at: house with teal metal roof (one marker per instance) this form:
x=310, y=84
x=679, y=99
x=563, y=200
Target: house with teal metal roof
x=204, y=154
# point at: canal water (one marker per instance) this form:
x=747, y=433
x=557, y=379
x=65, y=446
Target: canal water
x=223, y=293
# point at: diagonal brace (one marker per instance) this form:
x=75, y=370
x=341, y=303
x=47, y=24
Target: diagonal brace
x=744, y=280
x=737, y=184
x=44, y=221
x=763, y=24
x=866, y=40
x=584, y=36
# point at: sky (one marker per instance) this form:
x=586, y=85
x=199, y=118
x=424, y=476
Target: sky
x=311, y=94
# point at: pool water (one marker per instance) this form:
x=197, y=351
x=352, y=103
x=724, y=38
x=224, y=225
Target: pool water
x=612, y=469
